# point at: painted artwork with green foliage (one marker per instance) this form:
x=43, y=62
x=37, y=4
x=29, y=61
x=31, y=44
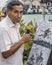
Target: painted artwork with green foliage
x=26, y=29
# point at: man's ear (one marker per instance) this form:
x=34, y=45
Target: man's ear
x=8, y=11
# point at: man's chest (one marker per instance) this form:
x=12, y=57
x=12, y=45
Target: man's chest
x=13, y=34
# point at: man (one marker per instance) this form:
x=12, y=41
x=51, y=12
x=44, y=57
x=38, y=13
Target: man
x=41, y=49
x=11, y=48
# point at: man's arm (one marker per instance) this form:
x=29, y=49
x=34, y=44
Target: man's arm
x=16, y=46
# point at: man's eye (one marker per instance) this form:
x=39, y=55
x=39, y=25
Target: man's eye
x=15, y=11
x=18, y=11
x=21, y=12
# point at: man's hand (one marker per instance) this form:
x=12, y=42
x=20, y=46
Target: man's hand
x=26, y=38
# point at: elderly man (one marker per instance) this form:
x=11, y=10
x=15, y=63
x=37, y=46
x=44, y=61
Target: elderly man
x=11, y=43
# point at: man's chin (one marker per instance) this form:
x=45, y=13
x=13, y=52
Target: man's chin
x=18, y=21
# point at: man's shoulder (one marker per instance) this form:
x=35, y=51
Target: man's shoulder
x=3, y=23
x=3, y=26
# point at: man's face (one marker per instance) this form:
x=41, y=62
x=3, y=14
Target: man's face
x=16, y=13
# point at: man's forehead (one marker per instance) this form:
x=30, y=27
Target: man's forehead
x=18, y=7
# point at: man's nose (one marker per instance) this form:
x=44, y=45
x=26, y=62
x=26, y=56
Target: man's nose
x=19, y=15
